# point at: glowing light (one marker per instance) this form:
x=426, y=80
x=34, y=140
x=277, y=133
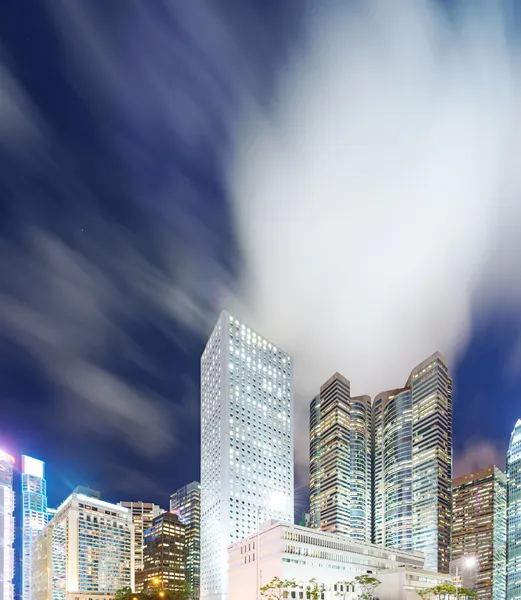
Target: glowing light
x=32, y=466
x=5, y=455
x=471, y=561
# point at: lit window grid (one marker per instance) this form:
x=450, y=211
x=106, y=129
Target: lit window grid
x=247, y=441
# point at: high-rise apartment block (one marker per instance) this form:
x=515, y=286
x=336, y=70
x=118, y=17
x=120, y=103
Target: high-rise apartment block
x=340, y=460
x=34, y=514
x=143, y=515
x=479, y=528
x=86, y=552
x=6, y=526
x=186, y=504
x=514, y=515
x=412, y=464
x=164, y=555
x=246, y=443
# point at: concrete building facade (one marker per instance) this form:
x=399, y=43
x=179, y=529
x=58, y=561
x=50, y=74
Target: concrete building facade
x=246, y=443
x=298, y=553
x=86, y=551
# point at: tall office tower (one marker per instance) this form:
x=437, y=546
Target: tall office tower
x=412, y=464
x=479, y=528
x=340, y=460
x=431, y=388
x=6, y=526
x=164, y=555
x=143, y=514
x=34, y=514
x=86, y=552
x=186, y=504
x=514, y=515
x=392, y=415
x=246, y=443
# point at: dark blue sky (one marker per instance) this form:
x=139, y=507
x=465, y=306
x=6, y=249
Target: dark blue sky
x=117, y=238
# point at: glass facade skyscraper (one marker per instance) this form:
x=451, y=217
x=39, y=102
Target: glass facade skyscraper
x=514, y=515
x=412, y=464
x=85, y=552
x=479, y=528
x=246, y=443
x=392, y=414
x=186, y=503
x=431, y=388
x=340, y=460
x=6, y=526
x=34, y=514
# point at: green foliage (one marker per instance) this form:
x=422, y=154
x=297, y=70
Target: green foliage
x=466, y=594
x=368, y=586
x=277, y=588
x=447, y=590
x=150, y=594
x=314, y=589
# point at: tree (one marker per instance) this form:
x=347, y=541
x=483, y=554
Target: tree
x=467, y=594
x=277, y=589
x=346, y=587
x=424, y=594
x=123, y=594
x=368, y=586
x=150, y=594
x=315, y=590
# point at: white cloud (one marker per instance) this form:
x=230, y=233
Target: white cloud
x=369, y=198
x=479, y=454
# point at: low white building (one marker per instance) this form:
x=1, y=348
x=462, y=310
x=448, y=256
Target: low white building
x=404, y=582
x=301, y=554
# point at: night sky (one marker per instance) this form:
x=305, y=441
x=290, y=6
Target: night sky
x=118, y=238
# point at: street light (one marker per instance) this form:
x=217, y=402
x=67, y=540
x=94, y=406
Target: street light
x=276, y=501
x=469, y=562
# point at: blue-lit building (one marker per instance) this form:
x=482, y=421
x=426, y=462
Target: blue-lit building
x=514, y=515
x=34, y=514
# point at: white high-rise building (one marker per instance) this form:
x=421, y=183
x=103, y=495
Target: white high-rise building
x=6, y=526
x=246, y=443
x=86, y=552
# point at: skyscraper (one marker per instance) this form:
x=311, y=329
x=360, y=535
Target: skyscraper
x=479, y=528
x=340, y=460
x=6, y=526
x=392, y=510
x=34, y=514
x=143, y=514
x=85, y=553
x=412, y=464
x=514, y=515
x=246, y=443
x=164, y=555
x=186, y=503
x=431, y=388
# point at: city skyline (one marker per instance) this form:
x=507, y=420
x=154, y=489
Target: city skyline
x=116, y=257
